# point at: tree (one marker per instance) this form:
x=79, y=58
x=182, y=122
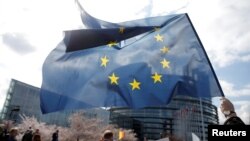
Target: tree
x=84, y=128
x=45, y=130
x=7, y=124
x=80, y=128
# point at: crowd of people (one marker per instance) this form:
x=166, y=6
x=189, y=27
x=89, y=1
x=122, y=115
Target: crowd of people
x=226, y=108
x=28, y=135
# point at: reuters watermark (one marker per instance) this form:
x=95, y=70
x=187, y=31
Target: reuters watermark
x=221, y=132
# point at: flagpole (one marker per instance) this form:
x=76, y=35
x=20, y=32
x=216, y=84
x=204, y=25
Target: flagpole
x=202, y=121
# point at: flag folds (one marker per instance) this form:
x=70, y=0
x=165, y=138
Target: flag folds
x=132, y=64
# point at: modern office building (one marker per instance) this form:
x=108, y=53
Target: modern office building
x=23, y=99
x=183, y=116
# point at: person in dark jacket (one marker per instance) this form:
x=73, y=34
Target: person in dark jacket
x=2, y=135
x=55, y=136
x=13, y=134
x=28, y=135
x=107, y=136
x=227, y=109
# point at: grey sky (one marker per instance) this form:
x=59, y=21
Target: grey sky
x=17, y=42
x=229, y=33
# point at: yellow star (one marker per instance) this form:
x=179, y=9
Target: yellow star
x=113, y=79
x=157, y=28
x=121, y=30
x=104, y=61
x=159, y=37
x=112, y=43
x=165, y=49
x=156, y=77
x=135, y=85
x=165, y=63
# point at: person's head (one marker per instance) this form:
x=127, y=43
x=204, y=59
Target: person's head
x=37, y=138
x=37, y=130
x=108, y=135
x=1, y=127
x=13, y=132
x=57, y=131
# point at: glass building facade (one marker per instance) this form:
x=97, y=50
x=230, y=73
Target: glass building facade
x=24, y=99
x=183, y=116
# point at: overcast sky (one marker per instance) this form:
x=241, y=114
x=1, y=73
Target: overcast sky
x=30, y=29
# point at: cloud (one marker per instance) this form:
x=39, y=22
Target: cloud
x=242, y=108
x=223, y=30
x=230, y=33
x=147, y=10
x=28, y=33
x=17, y=42
x=222, y=26
x=244, y=112
x=230, y=89
x=246, y=58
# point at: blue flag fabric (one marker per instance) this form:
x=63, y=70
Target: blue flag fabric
x=133, y=64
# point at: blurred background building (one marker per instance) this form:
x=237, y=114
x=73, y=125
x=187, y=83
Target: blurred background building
x=182, y=117
x=24, y=99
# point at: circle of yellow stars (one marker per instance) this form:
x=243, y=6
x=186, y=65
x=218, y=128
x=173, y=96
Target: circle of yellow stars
x=135, y=84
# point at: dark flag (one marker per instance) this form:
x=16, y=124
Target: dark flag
x=133, y=64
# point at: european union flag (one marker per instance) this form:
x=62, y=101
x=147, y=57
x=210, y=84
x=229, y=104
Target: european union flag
x=132, y=64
